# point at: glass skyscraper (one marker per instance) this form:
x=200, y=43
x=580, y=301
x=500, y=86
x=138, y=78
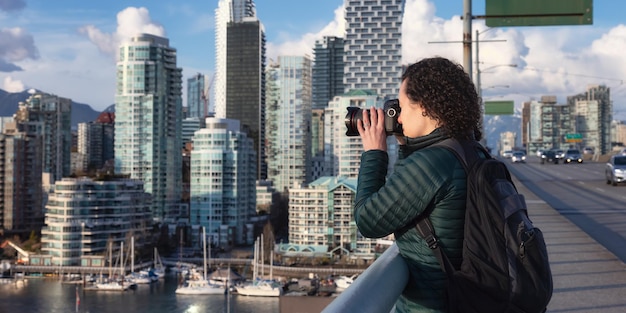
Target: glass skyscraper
x=223, y=183
x=289, y=121
x=197, y=101
x=327, y=70
x=228, y=11
x=148, y=105
x=240, y=71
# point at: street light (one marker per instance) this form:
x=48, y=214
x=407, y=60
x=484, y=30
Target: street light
x=478, y=71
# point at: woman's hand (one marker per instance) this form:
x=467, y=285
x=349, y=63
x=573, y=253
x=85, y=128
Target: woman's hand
x=372, y=130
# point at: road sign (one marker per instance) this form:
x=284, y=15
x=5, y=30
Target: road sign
x=573, y=137
x=500, y=13
x=499, y=107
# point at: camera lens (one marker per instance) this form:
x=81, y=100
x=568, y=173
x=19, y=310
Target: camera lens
x=354, y=114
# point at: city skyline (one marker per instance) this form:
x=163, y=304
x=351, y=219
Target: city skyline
x=50, y=42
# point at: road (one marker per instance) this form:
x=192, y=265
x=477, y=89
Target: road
x=580, y=193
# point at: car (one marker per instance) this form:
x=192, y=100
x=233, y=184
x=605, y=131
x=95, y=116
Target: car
x=518, y=157
x=507, y=154
x=588, y=150
x=549, y=156
x=615, y=171
x=540, y=152
x=560, y=154
x=573, y=155
x=622, y=152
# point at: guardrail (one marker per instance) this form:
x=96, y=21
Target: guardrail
x=377, y=288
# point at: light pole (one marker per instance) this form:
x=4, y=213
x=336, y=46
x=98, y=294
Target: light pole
x=478, y=72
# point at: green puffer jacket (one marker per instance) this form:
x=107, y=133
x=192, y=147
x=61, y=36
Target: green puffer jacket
x=425, y=179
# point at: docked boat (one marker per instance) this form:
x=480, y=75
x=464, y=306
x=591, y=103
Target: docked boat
x=158, y=269
x=197, y=284
x=260, y=287
x=141, y=277
x=114, y=282
x=343, y=282
x=113, y=285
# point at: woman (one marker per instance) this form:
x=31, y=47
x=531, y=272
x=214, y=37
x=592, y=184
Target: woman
x=437, y=101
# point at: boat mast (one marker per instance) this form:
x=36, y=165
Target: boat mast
x=204, y=249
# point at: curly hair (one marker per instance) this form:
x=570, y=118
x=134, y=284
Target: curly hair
x=447, y=94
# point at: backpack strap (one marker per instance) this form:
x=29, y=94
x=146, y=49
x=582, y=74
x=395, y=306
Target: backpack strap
x=466, y=152
x=426, y=230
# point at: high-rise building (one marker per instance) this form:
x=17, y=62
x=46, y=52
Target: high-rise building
x=343, y=153
x=317, y=143
x=223, y=183
x=592, y=115
x=21, y=194
x=289, y=122
x=240, y=72
x=618, y=132
x=327, y=70
x=373, y=46
x=189, y=126
x=82, y=215
x=148, y=107
x=95, y=142
x=228, y=11
x=197, y=99
x=49, y=116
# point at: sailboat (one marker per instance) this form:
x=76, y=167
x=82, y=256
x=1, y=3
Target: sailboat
x=197, y=284
x=141, y=277
x=111, y=283
x=260, y=287
x=158, y=269
x=180, y=268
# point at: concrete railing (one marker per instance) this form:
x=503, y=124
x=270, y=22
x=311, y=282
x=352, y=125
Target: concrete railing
x=377, y=288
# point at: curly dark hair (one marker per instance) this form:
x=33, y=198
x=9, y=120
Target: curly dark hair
x=447, y=94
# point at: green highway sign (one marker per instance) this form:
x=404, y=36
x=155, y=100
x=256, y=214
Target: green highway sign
x=573, y=137
x=504, y=107
x=538, y=12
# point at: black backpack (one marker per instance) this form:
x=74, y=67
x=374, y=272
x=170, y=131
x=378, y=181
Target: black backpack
x=505, y=265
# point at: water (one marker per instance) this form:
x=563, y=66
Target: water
x=50, y=296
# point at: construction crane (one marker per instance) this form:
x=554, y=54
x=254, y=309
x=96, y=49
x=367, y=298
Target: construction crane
x=23, y=255
x=206, y=94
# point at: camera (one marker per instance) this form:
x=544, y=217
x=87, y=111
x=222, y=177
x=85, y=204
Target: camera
x=391, y=109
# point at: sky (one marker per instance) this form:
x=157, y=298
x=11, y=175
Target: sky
x=68, y=47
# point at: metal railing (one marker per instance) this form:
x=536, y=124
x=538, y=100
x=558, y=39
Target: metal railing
x=389, y=273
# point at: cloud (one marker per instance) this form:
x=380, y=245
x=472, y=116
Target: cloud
x=11, y=85
x=130, y=22
x=15, y=45
x=12, y=5
x=304, y=45
x=559, y=61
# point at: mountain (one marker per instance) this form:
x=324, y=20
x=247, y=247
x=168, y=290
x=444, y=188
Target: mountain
x=81, y=113
x=497, y=124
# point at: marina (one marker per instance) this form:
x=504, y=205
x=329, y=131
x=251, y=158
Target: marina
x=38, y=294
x=48, y=295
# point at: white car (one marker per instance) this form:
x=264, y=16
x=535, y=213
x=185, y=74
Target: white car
x=507, y=154
x=616, y=170
x=518, y=157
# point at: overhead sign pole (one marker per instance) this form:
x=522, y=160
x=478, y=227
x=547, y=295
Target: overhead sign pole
x=538, y=12
x=467, y=37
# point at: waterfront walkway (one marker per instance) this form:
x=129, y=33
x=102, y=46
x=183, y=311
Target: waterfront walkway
x=587, y=277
